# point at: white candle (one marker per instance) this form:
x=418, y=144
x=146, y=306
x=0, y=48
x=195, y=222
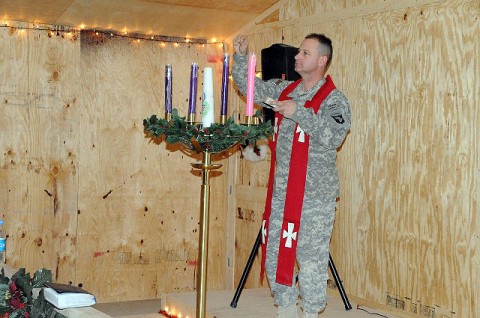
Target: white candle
x=252, y=61
x=207, y=103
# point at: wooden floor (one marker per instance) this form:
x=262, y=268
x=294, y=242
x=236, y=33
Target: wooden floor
x=253, y=303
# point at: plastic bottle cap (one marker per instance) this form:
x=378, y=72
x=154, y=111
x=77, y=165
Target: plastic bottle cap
x=1, y=222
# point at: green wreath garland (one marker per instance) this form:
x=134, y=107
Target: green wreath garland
x=16, y=295
x=214, y=139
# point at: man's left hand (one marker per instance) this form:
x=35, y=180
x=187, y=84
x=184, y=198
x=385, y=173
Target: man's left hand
x=286, y=107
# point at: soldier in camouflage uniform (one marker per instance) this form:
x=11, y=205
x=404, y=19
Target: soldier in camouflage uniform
x=326, y=128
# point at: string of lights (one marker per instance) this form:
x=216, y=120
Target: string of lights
x=62, y=30
x=33, y=26
x=157, y=38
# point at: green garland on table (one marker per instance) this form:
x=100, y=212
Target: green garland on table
x=16, y=295
x=215, y=139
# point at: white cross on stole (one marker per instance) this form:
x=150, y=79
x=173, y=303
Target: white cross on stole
x=301, y=137
x=275, y=129
x=290, y=235
x=264, y=231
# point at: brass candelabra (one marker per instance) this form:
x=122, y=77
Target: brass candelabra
x=214, y=139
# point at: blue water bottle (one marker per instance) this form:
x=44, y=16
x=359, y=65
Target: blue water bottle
x=2, y=243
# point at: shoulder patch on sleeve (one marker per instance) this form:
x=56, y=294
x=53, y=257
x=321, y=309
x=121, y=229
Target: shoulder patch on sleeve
x=338, y=118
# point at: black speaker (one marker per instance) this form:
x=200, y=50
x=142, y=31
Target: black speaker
x=278, y=61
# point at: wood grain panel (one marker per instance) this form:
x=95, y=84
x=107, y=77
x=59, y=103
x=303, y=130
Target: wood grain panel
x=449, y=138
x=148, y=194
x=87, y=195
x=248, y=218
x=302, y=8
x=41, y=149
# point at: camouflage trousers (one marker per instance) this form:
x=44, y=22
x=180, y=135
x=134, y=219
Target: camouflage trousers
x=313, y=250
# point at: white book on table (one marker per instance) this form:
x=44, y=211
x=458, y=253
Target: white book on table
x=67, y=296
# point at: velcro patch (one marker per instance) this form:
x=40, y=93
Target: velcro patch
x=330, y=106
x=338, y=118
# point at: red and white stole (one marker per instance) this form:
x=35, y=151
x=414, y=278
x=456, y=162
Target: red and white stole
x=295, y=188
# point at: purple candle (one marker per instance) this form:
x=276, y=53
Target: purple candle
x=192, y=102
x=226, y=64
x=168, y=89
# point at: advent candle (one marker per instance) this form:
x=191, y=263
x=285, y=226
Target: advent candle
x=192, y=102
x=226, y=64
x=207, y=113
x=168, y=89
x=252, y=61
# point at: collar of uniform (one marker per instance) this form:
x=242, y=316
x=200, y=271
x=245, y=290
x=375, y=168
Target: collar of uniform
x=299, y=93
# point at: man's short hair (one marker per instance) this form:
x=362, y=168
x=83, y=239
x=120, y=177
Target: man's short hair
x=325, y=47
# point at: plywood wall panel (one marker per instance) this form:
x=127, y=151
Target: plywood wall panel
x=384, y=106
x=14, y=54
x=53, y=117
x=14, y=120
x=254, y=174
x=118, y=283
x=248, y=218
x=39, y=98
x=474, y=12
x=452, y=208
x=301, y=8
x=149, y=195
x=250, y=191
x=88, y=195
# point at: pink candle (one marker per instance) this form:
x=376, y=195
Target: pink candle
x=252, y=61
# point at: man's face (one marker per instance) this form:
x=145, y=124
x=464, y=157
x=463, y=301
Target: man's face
x=308, y=59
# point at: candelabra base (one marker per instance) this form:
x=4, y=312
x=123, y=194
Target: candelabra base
x=205, y=166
